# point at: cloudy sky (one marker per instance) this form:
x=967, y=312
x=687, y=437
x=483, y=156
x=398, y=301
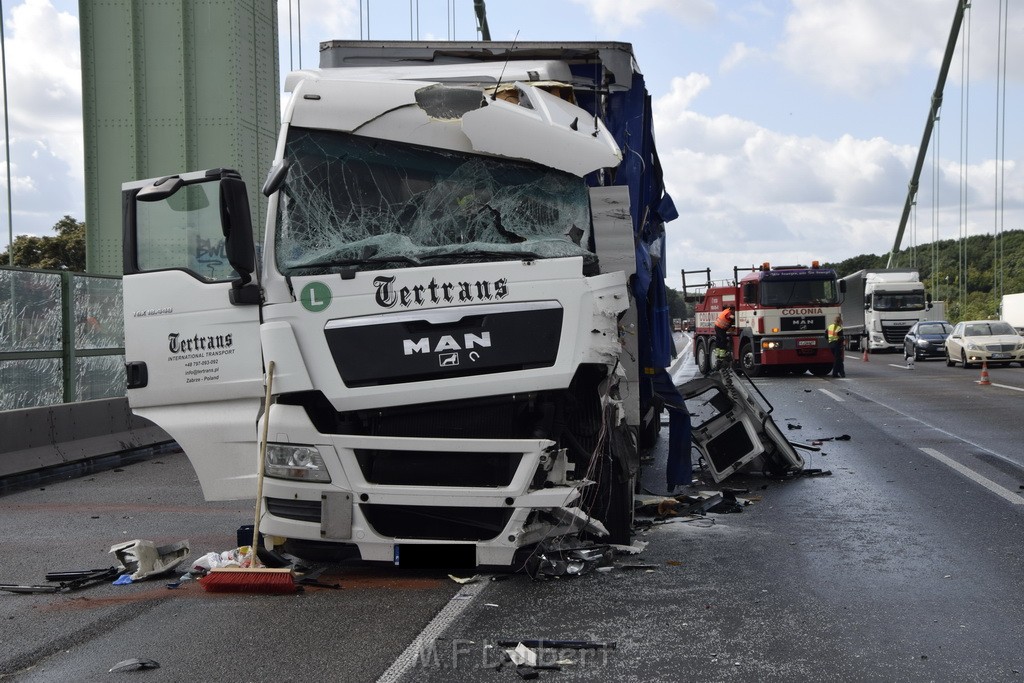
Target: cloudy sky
x=787, y=128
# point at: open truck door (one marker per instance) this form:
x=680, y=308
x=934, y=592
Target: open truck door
x=192, y=321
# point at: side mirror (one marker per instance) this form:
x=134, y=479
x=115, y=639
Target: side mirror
x=160, y=190
x=239, y=246
x=278, y=172
x=867, y=307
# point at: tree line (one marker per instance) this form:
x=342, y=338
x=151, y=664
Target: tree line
x=994, y=267
x=63, y=251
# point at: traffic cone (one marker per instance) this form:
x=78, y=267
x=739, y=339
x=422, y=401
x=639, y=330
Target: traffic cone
x=865, y=357
x=984, y=374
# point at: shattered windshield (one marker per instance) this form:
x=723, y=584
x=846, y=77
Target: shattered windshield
x=356, y=202
x=794, y=292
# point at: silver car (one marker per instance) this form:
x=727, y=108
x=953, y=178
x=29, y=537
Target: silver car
x=991, y=341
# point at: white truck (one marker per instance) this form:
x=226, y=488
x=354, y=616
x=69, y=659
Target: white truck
x=881, y=305
x=1011, y=309
x=460, y=287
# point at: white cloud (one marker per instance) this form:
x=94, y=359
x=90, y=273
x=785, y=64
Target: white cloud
x=747, y=194
x=44, y=89
x=739, y=53
x=860, y=46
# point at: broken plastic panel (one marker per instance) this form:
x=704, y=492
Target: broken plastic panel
x=144, y=559
x=733, y=431
x=355, y=202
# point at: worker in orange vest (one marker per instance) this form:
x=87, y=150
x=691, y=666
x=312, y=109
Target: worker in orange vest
x=723, y=325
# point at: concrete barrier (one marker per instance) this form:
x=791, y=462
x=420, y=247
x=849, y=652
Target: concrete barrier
x=68, y=433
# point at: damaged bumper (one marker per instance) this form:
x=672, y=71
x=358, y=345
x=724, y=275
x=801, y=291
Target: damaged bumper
x=389, y=493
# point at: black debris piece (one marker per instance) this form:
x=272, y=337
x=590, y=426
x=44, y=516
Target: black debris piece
x=546, y=643
x=66, y=581
x=134, y=665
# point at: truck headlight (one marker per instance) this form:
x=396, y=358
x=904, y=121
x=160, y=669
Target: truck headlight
x=303, y=463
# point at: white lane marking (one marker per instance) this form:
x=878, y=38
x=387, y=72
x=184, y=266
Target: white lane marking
x=831, y=395
x=975, y=477
x=422, y=644
x=951, y=435
x=1007, y=386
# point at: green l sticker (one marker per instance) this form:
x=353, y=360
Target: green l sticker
x=315, y=297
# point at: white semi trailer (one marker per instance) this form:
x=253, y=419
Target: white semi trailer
x=1011, y=309
x=881, y=305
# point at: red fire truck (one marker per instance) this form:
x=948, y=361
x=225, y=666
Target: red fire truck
x=782, y=314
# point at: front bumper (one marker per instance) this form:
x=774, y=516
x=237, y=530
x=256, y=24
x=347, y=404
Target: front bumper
x=377, y=510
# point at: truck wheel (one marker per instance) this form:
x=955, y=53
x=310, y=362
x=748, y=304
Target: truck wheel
x=613, y=502
x=703, y=356
x=750, y=365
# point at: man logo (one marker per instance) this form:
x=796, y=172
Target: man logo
x=446, y=343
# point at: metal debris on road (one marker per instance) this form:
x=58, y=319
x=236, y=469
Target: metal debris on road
x=134, y=665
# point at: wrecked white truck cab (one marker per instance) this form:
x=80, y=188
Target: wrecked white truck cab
x=458, y=291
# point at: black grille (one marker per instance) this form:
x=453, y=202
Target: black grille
x=426, y=468
x=301, y=510
x=489, y=339
x=437, y=523
x=894, y=334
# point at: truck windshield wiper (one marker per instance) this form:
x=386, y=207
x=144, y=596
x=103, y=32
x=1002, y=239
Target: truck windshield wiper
x=348, y=263
x=483, y=253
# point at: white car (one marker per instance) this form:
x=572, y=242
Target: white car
x=992, y=341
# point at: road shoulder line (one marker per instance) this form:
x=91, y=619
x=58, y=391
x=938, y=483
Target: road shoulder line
x=423, y=642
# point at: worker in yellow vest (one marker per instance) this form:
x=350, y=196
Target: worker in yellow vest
x=837, y=342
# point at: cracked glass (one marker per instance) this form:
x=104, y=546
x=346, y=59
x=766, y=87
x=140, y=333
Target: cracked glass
x=363, y=203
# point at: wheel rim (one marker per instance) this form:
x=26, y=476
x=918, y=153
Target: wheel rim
x=747, y=358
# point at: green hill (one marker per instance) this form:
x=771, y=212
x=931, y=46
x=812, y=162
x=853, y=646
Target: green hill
x=983, y=294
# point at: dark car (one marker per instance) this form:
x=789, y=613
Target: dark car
x=926, y=339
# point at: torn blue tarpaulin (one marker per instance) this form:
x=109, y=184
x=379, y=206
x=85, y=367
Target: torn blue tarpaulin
x=679, y=466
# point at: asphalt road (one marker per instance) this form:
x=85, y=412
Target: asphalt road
x=904, y=564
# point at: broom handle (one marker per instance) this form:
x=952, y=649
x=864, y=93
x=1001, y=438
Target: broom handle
x=260, y=465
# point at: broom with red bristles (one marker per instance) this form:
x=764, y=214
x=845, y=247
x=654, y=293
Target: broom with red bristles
x=254, y=578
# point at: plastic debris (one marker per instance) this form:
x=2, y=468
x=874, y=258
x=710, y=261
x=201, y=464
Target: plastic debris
x=123, y=580
x=134, y=665
x=635, y=549
x=522, y=655
x=145, y=560
x=464, y=580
